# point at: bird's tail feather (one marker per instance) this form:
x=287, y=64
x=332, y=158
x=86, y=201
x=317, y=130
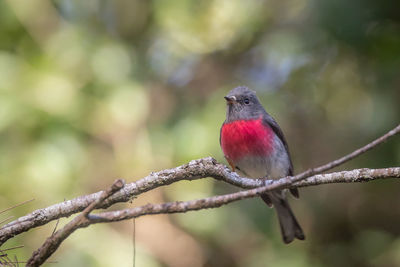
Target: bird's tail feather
x=290, y=228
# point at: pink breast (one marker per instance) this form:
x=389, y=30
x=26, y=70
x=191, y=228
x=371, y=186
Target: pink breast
x=246, y=138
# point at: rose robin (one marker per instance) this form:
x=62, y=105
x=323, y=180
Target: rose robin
x=254, y=145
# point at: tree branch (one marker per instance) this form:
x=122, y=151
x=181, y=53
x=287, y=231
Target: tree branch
x=350, y=156
x=196, y=169
x=85, y=219
x=360, y=175
x=54, y=241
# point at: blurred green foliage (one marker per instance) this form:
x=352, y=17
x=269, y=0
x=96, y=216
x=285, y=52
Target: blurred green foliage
x=94, y=90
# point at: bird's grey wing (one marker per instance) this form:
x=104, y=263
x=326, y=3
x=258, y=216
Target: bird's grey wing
x=268, y=120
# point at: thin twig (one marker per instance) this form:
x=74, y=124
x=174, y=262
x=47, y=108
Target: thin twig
x=17, y=262
x=54, y=241
x=11, y=248
x=55, y=227
x=134, y=241
x=17, y=205
x=7, y=219
x=4, y=258
x=350, y=156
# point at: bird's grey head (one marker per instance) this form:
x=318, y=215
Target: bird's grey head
x=242, y=104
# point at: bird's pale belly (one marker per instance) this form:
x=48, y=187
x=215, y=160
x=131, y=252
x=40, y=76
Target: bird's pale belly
x=274, y=166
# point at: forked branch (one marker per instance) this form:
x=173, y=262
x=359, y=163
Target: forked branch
x=196, y=169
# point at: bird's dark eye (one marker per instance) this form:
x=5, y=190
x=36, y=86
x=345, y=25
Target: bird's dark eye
x=246, y=101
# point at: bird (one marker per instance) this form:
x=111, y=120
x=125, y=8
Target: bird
x=255, y=147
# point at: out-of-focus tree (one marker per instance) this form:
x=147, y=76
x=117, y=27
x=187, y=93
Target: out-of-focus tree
x=94, y=90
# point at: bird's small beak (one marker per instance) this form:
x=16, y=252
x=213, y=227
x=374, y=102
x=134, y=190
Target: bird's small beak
x=230, y=99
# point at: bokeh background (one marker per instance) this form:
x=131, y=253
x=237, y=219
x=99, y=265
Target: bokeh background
x=94, y=90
